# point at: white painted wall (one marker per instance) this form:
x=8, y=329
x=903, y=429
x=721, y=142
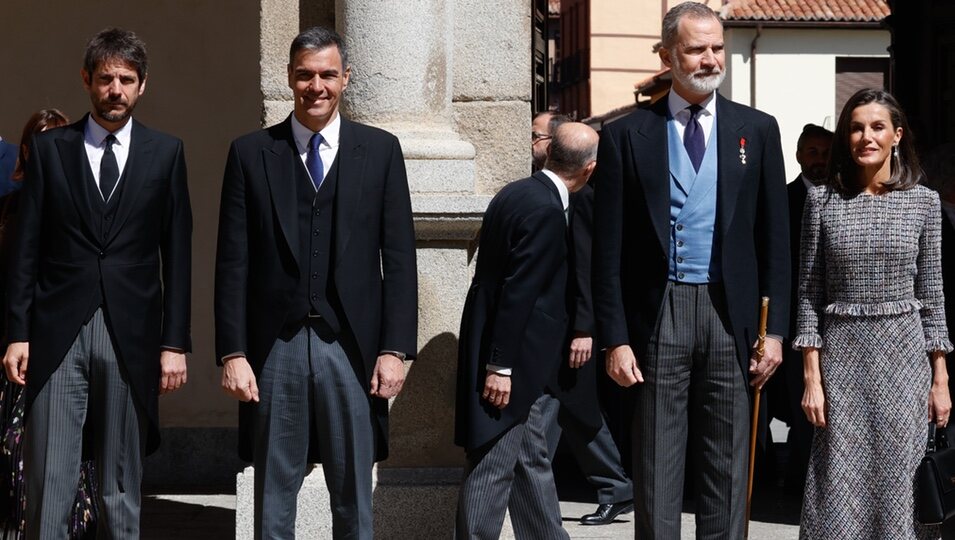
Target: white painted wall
x=795, y=74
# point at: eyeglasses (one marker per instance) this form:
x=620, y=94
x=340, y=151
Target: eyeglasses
x=535, y=136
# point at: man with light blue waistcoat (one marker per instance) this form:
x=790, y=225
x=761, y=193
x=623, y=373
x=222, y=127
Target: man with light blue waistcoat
x=684, y=247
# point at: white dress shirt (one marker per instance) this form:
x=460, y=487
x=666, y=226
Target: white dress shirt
x=565, y=204
x=94, y=138
x=328, y=150
x=680, y=113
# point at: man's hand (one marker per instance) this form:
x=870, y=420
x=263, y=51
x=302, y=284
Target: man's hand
x=389, y=376
x=763, y=369
x=173, y=365
x=15, y=361
x=581, y=349
x=238, y=380
x=622, y=366
x=497, y=389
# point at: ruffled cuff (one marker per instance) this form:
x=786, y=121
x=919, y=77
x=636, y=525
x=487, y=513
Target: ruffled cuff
x=938, y=344
x=803, y=341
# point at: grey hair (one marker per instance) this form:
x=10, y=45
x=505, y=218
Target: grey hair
x=671, y=21
x=317, y=38
x=568, y=153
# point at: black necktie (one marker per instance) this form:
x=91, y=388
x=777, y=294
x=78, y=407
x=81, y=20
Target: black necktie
x=693, y=139
x=108, y=169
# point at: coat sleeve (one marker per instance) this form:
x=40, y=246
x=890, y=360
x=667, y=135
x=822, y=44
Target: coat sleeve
x=583, y=239
x=399, y=295
x=176, y=252
x=610, y=315
x=538, y=248
x=232, y=262
x=812, y=277
x=22, y=271
x=772, y=234
x=928, y=279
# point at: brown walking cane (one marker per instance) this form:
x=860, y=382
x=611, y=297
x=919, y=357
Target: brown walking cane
x=760, y=348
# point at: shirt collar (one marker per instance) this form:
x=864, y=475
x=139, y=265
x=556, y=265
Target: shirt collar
x=677, y=104
x=330, y=133
x=561, y=187
x=96, y=133
x=806, y=182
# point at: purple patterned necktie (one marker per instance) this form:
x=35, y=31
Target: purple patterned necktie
x=313, y=161
x=693, y=139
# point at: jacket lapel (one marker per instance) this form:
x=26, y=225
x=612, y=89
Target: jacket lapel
x=351, y=177
x=650, y=139
x=136, y=172
x=731, y=167
x=76, y=167
x=279, y=163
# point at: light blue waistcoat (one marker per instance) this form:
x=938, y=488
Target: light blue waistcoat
x=694, y=250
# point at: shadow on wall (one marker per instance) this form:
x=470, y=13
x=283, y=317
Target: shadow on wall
x=417, y=486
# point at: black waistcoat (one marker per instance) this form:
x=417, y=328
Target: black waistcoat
x=316, y=292
x=103, y=214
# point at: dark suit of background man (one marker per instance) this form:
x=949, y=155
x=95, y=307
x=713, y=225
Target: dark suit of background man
x=784, y=394
x=8, y=161
x=99, y=294
x=574, y=410
x=316, y=294
x=690, y=231
x=509, y=351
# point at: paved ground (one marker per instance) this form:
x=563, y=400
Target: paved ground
x=212, y=517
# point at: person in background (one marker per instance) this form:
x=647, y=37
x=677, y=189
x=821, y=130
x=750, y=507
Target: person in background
x=8, y=160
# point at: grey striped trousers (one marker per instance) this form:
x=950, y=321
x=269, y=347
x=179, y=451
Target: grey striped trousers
x=91, y=382
x=516, y=469
x=694, y=391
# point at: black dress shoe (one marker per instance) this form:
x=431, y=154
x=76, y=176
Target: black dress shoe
x=607, y=512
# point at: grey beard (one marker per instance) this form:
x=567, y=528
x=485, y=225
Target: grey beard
x=701, y=86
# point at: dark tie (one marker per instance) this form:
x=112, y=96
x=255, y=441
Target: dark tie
x=108, y=169
x=313, y=161
x=693, y=137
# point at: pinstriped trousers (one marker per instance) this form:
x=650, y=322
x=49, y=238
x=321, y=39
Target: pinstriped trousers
x=308, y=383
x=514, y=468
x=692, y=376
x=91, y=382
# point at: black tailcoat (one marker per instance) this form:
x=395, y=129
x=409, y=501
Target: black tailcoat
x=143, y=264
x=632, y=225
x=515, y=315
x=373, y=254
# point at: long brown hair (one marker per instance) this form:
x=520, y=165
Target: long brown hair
x=843, y=170
x=41, y=120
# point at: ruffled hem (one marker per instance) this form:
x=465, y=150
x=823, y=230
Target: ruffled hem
x=803, y=341
x=938, y=344
x=897, y=307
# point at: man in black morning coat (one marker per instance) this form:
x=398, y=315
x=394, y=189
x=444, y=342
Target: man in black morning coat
x=316, y=294
x=690, y=229
x=510, y=346
x=99, y=289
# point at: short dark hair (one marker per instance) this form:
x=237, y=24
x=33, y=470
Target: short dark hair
x=843, y=171
x=317, y=38
x=812, y=131
x=671, y=21
x=116, y=44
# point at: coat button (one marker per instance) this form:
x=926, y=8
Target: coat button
x=102, y=254
x=679, y=259
x=681, y=275
x=314, y=275
x=679, y=227
x=679, y=243
x=314, y=296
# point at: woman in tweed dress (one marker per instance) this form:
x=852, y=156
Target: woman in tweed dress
x=871, y=328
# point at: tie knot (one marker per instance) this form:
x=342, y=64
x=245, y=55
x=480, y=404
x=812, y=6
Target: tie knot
x=110, y=140
x=315, y=141
x=694, y=110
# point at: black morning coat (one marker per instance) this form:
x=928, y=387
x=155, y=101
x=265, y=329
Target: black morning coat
x=144, y=262
x=632, y=225
x=515, y=314
x=576, y=388
x=257, y=266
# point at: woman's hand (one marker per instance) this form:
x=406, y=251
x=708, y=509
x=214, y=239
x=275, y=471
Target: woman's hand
x=814, y=403
x=939, y=404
